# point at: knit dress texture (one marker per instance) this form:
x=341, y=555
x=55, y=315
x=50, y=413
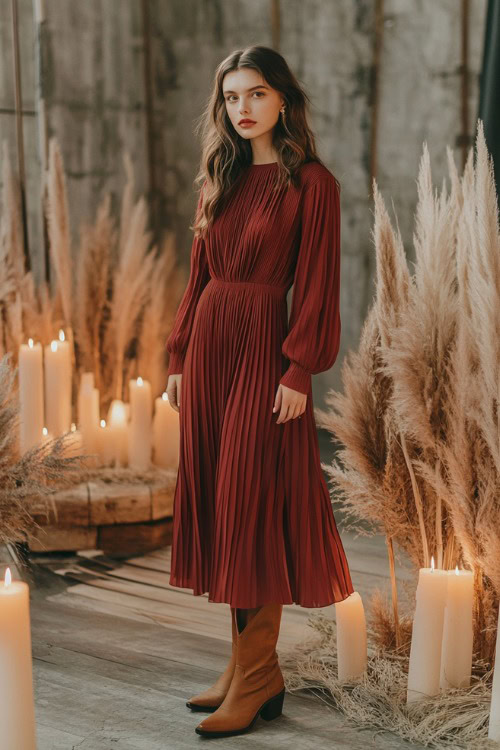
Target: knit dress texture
x=252, y=519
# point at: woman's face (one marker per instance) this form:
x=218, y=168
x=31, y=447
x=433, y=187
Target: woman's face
x=248, y=96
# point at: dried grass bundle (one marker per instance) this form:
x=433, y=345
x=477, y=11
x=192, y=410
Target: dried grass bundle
x=457, y=718
x=418, y=421
x=31, y=479
x=119, y=300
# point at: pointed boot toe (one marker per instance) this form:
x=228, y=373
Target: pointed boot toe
x=211, y=698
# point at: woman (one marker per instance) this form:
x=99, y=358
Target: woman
x=253, y=522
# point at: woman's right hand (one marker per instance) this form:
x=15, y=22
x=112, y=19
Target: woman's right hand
x=174, y=390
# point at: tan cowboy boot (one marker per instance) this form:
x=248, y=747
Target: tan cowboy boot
x=210, y=699
x=257, y=686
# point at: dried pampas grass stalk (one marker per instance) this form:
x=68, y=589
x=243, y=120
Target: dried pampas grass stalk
x=93, y=273
x=150, y=357
x=131, y=285
x=58, y=228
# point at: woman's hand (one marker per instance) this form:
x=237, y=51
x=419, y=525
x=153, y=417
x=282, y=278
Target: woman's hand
x=174, y=390
x=292, y=403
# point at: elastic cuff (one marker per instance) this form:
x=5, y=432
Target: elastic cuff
x=297, y=378
x=175, y=364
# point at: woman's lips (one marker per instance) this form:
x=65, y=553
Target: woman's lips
x=247, y=124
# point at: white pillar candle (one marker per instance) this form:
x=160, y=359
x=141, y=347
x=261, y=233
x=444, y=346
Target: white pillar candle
x=427, y=634
x=17, y=708
x=57, y=381
x=46, y=435
x=494, y=725
x=74, y=442
x=140, y=427
x=104, y=444
x=351, y=637
x=88, y=412
x=30, y=395
x=118, y=432
x=456, y=650
x=165, y=434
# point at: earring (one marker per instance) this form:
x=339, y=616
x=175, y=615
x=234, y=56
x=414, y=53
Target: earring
x=282, y=110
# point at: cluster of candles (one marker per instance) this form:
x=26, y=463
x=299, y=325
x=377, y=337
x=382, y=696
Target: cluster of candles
x=132, y=435
x=440, y=655
x=442, y=639
x=441, y=643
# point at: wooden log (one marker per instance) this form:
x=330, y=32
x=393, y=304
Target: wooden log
x=62, y=538
x=119, y=503
x=125, y=540
x=69, y=507
x=162, y=499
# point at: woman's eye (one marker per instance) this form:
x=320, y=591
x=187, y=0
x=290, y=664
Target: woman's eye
x=231, y=96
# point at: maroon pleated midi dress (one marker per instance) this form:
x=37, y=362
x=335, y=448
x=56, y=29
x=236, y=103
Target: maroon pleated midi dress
x=252, y=519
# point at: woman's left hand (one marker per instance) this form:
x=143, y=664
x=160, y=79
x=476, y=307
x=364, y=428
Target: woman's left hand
x=292, y=403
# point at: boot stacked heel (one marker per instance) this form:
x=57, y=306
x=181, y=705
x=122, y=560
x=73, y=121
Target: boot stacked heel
x=274, y=707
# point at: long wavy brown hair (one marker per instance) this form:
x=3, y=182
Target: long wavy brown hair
x=225, y=153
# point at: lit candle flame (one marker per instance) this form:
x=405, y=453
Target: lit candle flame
x=53, y=346
x=456, y=570
x=432, y=562
x=30, y=343
x=73, y=427
x=45, y=431
x=103, y=423
x=164, y=396
x=8, y=577
x=140, y=381
x=61, y=335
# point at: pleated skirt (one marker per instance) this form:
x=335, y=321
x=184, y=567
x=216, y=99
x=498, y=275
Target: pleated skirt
x=253, y=521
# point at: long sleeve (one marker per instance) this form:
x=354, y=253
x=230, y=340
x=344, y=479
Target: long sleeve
x=199, y=276
x=313, y=339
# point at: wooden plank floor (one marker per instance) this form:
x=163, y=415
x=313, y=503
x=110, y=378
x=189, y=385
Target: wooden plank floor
x=118, y=651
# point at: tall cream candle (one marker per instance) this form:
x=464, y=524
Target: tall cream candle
x=30, y=395
x=165, y=434
x=88, y=413
x=57, y=381
x=427, y=634
x=351, y=637
x=104, y=444
x=74, y=442
x=456, y=650
x=46, y=435
x=140, y=427
x=17, y=707
x=118, y=432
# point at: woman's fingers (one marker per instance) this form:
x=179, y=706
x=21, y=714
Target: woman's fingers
x=174, y=391
x=277, y=399
x=293, y=404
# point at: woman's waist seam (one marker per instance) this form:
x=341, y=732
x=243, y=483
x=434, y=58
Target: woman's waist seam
x=252, y=285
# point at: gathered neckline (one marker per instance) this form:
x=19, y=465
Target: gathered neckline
x=266, y=164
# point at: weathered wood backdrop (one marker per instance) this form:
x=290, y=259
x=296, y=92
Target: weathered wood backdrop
x=109, y=75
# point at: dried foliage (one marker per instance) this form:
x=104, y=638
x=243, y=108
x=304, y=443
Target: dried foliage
x=376, y=701
x=418, y=421
x=116, y=304
x=37, y=474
